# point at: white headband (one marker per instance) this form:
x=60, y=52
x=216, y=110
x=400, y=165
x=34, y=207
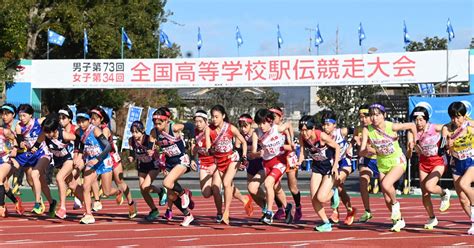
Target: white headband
x=200, y=115
x=419, y=114
x=64, y=112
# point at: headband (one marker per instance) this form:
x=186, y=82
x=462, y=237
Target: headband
x=245, y=119
x=161, y=117
x=363, y=111
x=379, y=106
x=330, y=121
x=276, y=111
x=83, y=115
x=97, y=112
x=8, y=108
x=418, y=114
x=308, y=124
x=64, y=112
x=199, y=114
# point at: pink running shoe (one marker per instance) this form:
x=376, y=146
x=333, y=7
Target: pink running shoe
x=298, y=214
x=280, y=214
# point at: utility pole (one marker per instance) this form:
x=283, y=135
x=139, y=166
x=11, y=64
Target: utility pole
x=310, y=30
x=337, y=40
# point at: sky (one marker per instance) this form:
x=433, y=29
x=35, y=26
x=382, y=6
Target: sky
x=382, y=21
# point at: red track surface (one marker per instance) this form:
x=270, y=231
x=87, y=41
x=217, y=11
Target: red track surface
x=112, y=229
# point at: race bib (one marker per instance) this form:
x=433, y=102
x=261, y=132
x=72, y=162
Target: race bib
x=172, y=150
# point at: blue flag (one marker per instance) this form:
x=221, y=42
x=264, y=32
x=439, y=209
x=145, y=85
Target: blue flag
x=406, y=37
x=238, y=37
x=199, y=43
x=55, y=38
x=361, y=34
x=86, y=42
x=126, y=40
x=279, y=38
x=450, y=31
x=318, y=39
x=164, y=39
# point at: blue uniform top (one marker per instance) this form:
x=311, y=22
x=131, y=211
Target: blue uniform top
x=173, y=147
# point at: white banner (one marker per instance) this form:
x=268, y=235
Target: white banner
x=355, y=69
x=134, y=114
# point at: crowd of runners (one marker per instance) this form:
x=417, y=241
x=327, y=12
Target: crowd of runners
x=264, y=145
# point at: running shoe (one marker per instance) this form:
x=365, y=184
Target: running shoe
x=396, y=214
x=168, y=215
x=19, y=206
x=288, y=215
x=77, y=204
x=445, y=204
x=471, y=230
x=191, y=202
x=184, y=199
x=334, y=217
x=132, y=210
x=61, y=213
x=350, y=217
x=38, y=209
x=326, y=227
x=42, y=204
x=279, y=214
x=399, y=225
x=298, y=213
x=52, y=209
x=3, y=211
x=87, y=219
x=268, y=219
x=335, y=200
x=119, y=198
x=226, y=218
x=432, y=222
x=219, y=218
x=97, y=205
x=163, y=196
x=187, y=220
x=248, y=206
x=365, y=217
x=152, y=215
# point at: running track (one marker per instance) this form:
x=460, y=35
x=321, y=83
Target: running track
x=113, y=229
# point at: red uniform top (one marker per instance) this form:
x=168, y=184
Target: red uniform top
x=205, y=160
x=222, y=144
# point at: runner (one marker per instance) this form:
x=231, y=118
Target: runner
x=6, y=137
x=391, y=162
x=269, y=137
x=339, y=135
x=367, y=165
x=291, y=170
x=34, y=162
x=461, y=147
x=147, y=167
x=325, y=153
x=219, y=137
x=92, y=148
x=99, y=118
x=431, y=165
x=167, y=135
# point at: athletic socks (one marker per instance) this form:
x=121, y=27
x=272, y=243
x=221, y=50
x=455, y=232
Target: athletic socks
x=297, y=198
x=10, y=195
x=177, y=188
x=472, y=214
x=2, y=195
x=278, y=203
x=177, y=203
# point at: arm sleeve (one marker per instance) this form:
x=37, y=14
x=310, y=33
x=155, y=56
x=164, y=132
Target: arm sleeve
x=106, y=147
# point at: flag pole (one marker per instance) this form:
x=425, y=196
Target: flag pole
x=84, y=49
x=121, y=49
x=47, y=46
x=447, y=66
x=238, y=50
x=159, y=42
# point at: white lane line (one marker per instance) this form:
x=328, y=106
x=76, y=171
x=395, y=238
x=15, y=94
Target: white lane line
x=348, y=238
x=53, y=226
x=19, y=241
x=451, y=224
x=304, y=244
x=143, y=230
x=86, y=235
x=127, y=246
x=458, y=244
x=386, y=233
x=185, y=240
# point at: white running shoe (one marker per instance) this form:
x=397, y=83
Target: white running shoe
x=444, y=206
x=399, y=225
x=187, y=220
x=431, y=223
x=471, y=230
x=185, y=199
x=396, y=214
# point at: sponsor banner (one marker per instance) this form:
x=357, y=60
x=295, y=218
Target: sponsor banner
x=149, y=120
x=134, y=114
x=438, y=106
x=329, y=70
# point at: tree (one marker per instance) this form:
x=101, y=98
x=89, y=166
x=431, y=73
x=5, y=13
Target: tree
x=345, y=101
x=428, y=43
